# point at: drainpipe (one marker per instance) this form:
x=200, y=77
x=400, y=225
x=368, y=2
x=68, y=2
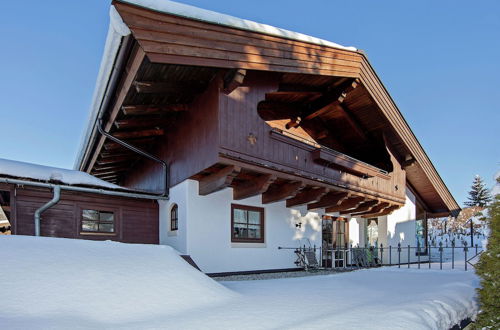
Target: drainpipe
x=140, y=152
x=52, y=202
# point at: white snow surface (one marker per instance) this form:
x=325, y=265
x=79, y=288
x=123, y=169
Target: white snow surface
x=63, y=283
x=37, y=172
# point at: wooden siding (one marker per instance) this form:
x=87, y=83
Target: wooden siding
x=176, y=40
x=239, y=121
x=136, y=220
x=189, y=147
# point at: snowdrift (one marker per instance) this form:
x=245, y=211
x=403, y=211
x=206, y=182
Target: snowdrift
x=63, y=282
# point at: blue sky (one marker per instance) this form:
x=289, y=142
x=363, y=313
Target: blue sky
x=440, y=61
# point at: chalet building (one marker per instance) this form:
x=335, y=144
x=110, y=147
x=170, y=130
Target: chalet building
x=255, y=137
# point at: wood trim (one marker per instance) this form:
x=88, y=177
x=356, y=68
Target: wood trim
x=262, y=223
x=136, y=58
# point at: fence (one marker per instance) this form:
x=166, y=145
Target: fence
x=401, y=256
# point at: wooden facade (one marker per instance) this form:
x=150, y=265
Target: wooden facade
x=265, y=115
x=135, y=221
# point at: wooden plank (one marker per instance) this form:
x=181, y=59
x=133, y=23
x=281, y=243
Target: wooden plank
x=329, y=200
x=139, y=134
x=136, y=58
x=346, y=204
x=147, y=122
x=278, y=193
x=376, y=209
x=233, y=79
x=144, y=110
x=363, y=207
x=163, y=87
x=114, y=160
x=109, y=146
x=311, y=195
x=218, y=180
x=253, y=187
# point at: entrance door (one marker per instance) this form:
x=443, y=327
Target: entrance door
x=335, y=235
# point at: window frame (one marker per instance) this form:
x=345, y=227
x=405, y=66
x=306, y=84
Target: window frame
x=99, y=209
x=176, y=208
x=261, y=224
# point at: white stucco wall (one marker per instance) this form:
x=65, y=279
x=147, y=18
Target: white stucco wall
x=176, y=239
x=205, y=231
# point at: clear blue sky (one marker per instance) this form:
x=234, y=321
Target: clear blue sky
x=440, y=61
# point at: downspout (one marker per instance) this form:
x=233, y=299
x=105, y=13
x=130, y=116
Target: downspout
x=140, y=152
x=52, y=202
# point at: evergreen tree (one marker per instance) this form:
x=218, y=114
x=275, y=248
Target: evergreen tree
x=488, y=268
x=478, y=195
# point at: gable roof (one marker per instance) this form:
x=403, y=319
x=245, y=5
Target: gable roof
x=340, y=60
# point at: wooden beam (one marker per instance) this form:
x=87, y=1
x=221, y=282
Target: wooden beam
x=144, y=110
x=218, y=180
x=363, y=207
x=376, y=209
x=148, y=122
x=386, y=211
x=139, y=134
x=113, y=160
x=250, y=188
x=163, y=87
x=109, y=171
x=269, y=110
x=346, y=204
x=327, y=102
x=233, y=79
x=331, y=199
x=311, y=195
x=139, y=142
x=278, y=193
x=137, y=57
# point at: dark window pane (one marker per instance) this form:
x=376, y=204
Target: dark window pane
x=90, y=226
x=91, y=215
x=106, y=227
x=107, y=216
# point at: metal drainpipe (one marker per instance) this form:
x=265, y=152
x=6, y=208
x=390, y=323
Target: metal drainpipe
x=52, y=202
x=140, y=152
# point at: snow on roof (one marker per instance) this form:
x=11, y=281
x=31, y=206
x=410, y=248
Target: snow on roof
x=118, y=29
x=180, y=9
x=36, y=172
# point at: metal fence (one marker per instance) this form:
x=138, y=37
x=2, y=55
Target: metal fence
x=427, y=257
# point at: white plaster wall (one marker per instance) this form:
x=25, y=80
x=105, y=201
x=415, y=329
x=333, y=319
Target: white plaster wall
x=209, y=233
x=355, y=232
x=398, y=227
x=176, y=239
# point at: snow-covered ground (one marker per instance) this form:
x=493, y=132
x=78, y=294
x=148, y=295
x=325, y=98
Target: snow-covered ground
x=62, y=283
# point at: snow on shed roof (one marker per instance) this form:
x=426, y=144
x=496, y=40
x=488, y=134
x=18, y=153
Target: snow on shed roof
x=180, y=9
x=16, y=169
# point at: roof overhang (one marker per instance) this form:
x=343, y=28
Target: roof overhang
x=319, y=57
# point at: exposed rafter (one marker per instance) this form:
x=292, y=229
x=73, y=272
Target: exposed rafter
x=329, y=200
x=277, y=193
x=346, y=204
x=144, y=110
x=363, y=207
x=253, y=187
x=310, y=195
x=233, y=79
x=139, y=134
x=378, y=208
x=218, y=180
x=162, y=87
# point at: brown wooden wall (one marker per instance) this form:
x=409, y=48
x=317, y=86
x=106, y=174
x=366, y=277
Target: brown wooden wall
x=239, y=119
x=189, y=146
x=136, y=220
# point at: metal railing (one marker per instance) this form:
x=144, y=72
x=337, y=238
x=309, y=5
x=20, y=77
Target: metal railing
x=401, y=256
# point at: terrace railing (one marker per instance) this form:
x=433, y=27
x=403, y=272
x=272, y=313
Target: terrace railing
x=427, y=257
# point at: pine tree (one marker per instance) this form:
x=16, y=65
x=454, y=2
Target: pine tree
x=478, y=195
x=488, y=268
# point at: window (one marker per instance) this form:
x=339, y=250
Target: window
x=247, y=224
x=94, y=221
x=174, y=218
